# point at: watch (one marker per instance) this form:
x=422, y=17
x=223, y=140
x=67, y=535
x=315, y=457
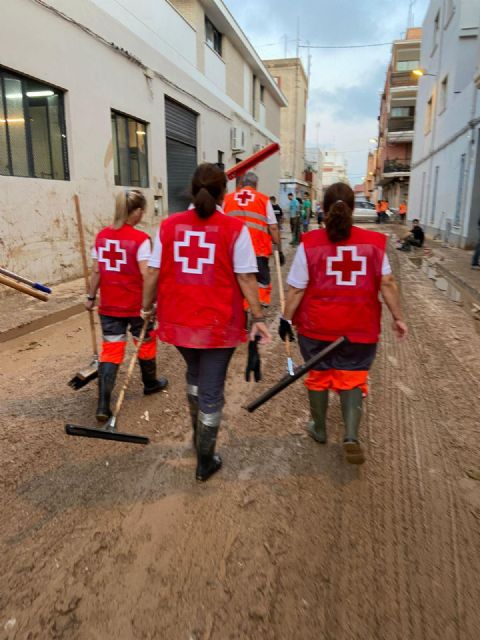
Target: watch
x=90, y=298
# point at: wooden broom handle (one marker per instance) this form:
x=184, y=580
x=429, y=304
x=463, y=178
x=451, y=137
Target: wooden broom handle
x=281, y=292
x=81, y=237
x=131, y=366
x=9, y=282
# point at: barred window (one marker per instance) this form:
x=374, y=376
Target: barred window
x=130, y=151
x=33, y=141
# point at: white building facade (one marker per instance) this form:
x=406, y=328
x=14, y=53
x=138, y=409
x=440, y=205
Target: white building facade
x=118, y=94
x=445, y=180
x=334, y=168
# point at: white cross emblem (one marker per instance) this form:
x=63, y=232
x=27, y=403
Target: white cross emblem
x=244, y=197
x=112, y=255
x=196, y=252
x=348, y=267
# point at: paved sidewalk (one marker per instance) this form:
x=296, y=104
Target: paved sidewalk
x=21, y=314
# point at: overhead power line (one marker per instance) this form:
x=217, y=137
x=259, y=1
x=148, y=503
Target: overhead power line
x=344, y=46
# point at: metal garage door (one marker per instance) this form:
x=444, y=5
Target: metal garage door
x=181, y=132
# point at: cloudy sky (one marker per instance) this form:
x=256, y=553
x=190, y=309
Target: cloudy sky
x=345, y=84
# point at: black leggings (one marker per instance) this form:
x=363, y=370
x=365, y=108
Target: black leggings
x=207, y=370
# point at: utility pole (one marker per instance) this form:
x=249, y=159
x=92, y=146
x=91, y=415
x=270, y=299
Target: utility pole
x=411, y=14
x=295, y=113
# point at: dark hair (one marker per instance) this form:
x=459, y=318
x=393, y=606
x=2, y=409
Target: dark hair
x=416, y=220
x=209, y=184
x=290, y=194
x=338, y=204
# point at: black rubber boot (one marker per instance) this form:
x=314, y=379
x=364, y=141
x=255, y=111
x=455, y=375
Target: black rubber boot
x=316, y=428
x=192, y=397
x=351, y=403
x=107, y=374
x=207, y=429
x=149, y=377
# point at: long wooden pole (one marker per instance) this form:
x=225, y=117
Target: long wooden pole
x=281, y=294
x=9, y=282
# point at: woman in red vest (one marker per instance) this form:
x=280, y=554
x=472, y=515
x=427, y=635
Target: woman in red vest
x=334, y=283
x=120, y=256
x=202, y=267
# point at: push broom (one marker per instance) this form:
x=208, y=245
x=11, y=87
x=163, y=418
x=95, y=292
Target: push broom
x=109, y=431
x=83, y=377
x=281, y=292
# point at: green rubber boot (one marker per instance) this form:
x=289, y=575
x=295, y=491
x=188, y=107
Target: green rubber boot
x=351, y=403
x=316, y=428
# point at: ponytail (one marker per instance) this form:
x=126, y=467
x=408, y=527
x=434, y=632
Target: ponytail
x=338, y=204
x=209, y=184
x=126, y=202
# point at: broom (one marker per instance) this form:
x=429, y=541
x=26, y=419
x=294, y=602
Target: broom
x=109, y=431
x=83, y=377
x=281, y=292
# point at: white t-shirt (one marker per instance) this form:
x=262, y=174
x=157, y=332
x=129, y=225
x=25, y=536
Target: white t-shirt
x=271, y=218
x=298, y=276
x=143, y=253
x=244, y=260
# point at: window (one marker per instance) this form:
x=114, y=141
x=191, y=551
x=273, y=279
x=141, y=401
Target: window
x=262, y=94
x=435, y=193
x=254, y=95
x=443, y=94
x=436, y=30
x=460, y=191
x=220, y=159
x=428, y=115
x=33, y=143
x=213, y=36
x=278, y=81
x=408, y=65
x=450, y=10
x=130, y=152
x=401, y=112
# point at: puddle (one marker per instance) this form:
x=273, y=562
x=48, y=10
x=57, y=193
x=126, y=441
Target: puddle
x=461, y=295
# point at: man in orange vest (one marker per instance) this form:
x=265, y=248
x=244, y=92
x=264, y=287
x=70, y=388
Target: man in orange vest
x=403, y=212
x=256, y=211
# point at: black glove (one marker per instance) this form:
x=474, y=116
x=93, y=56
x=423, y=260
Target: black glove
x=285, y=329
x=253, y=362
x=282, y=258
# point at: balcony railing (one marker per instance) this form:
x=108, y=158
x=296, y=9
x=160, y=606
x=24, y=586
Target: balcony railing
x=396, y=166
x=403, y=79
x=401, y=124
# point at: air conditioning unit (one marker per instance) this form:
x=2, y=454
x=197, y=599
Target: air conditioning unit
x=238, y=139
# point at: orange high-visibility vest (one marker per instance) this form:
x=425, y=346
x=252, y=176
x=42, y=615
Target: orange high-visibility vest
x=402, y=209
x=384, y=206
x=250, y=207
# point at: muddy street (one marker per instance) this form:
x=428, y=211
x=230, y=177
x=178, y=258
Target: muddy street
x=101, y=540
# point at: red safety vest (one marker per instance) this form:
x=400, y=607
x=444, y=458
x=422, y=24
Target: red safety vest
x=341, y=298
x=121, y=281
x=250, y=207
x=200, y=304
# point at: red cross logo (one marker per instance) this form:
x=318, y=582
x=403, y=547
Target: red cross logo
x=244, y=197
x=112, y=255
x=194, y=252
x=347, y=266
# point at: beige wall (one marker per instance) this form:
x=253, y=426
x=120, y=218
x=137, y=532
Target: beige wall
x=293, y=84
x=38, y=237
x=235, y=65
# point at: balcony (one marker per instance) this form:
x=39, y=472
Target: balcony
x=401, y=129
x=395, y=170
x=403, y=79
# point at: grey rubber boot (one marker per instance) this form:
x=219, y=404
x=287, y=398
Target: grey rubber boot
x=149, y=377
x=207, y=429
x=317, y=427
x=107, y=374
x=192, y=397
x=351, y=403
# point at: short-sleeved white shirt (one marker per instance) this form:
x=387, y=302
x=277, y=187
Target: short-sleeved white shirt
x=298, y=276
x=244, y=260
x=271, y=217
x=143, y=253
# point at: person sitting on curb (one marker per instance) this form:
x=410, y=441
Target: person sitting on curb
x=415, y=238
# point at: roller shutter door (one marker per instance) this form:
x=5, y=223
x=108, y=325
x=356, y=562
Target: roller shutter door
x=181, y=133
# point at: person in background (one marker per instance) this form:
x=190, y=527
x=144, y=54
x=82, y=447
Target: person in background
x=294, y=217
x=306, y=212
x=378, y=209
x=256, y=211
x=120, y=260
x=402, y=212
x=202, y=267
x=277, y=210
x=319, y=213
x=415, y=238
x=476, y=253
x=334, y=283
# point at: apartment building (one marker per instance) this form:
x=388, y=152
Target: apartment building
x=397, y=120
x=292, y=80
x=101, y=95
x=445, y=184
x=334, y=168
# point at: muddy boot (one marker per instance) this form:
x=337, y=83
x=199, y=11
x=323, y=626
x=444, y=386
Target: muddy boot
x=192, y=397
x=149, y=377
x=316, y=428
x=351, y=402
x=107, y=374
x=207, y=429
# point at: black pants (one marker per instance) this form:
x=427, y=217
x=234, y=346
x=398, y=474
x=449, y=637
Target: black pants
x=207, y=370
x=349, y=356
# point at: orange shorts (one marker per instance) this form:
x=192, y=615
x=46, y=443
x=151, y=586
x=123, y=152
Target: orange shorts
x=337, y=380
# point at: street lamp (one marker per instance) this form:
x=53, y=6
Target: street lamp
x=419, y=73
